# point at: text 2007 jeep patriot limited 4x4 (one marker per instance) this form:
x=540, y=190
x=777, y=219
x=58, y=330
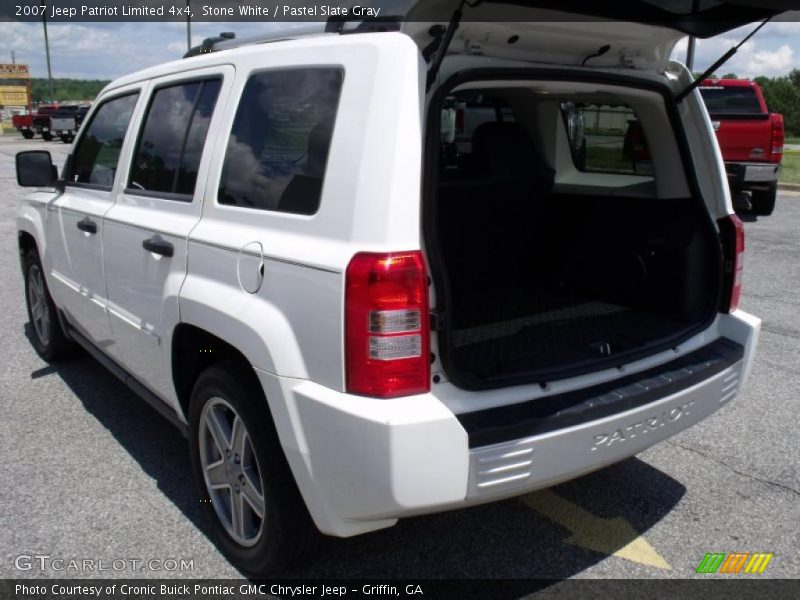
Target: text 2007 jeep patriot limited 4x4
x=375, y=274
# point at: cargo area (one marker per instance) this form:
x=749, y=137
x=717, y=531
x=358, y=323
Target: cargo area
x=538, y=281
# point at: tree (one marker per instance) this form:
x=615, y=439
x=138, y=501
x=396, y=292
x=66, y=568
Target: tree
x=697, y=74
x=783, y=97
x=730, y=76
x=66, y=89
x=794, y=76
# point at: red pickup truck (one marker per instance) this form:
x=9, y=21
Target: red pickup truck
x=29, y=125
x=751, y=139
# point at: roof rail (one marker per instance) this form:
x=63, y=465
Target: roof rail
x=334, y=25
x=209, y=43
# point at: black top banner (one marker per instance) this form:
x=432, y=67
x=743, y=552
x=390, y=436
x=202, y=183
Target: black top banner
x=680, y=14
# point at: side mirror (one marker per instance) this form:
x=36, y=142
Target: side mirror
x=35, y=168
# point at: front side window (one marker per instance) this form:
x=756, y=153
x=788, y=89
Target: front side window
x=168, y=151
x=95, y=159
x=278, y=149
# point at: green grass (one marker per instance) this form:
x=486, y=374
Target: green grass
x=599, y=158
x=792, y=139
x=791, y=167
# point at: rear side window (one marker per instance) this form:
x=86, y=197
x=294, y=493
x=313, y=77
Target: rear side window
x=606, y=138
x=278, y=149
x=169, y=149
x=95, y=159
x=731, y=100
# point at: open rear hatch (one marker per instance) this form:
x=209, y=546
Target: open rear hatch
x=553, y=257
x=568, y=31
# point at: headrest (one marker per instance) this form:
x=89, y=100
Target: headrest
x=318, y=145
x=503, y=150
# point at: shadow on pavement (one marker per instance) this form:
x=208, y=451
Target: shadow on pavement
x=503, y=540
x=150, y=439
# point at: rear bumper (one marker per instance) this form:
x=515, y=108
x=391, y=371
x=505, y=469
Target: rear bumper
x=517, y=466
x=363, y=463
x=744, y=174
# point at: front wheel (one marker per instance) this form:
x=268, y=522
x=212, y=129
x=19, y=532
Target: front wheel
x=47, y=337
x=763, y=202
x=257, y=511
x=28, y=135
x=47, y=136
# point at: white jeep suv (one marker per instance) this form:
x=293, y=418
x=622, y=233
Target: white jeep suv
x=376, y=274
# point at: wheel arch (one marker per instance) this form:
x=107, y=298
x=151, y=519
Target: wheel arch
x=30, y=226
x=25, y=242
x=194, y=349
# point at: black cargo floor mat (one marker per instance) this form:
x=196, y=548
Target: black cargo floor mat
x=553, y=333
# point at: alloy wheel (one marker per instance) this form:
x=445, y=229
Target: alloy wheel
x=37, y=298
x=231, y=472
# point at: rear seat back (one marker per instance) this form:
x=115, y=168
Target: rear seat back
x=505, y=152
x=500, y=198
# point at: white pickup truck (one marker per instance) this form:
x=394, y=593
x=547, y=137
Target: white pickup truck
x=66, y=122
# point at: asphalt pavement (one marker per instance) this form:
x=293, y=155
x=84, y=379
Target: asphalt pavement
x=91, y=472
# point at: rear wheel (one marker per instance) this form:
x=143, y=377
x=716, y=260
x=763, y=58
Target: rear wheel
x=763, y=202
x=257, y=511
x=67, y=139
x=47, y=337
x=27, y=134
x=47, y=136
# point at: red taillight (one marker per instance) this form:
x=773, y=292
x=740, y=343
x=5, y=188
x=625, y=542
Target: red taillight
x=777, y=138
x=732, y=236
x=387, y=325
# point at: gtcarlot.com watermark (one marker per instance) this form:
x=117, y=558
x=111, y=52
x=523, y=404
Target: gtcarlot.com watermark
x=47, y=562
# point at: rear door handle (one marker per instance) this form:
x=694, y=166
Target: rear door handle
x=87, y=225
x=158, y=245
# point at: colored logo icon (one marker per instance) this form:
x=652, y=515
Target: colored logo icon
x=735, y=562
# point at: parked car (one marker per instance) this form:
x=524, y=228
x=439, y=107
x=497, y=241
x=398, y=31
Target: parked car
x=267, y=243
x=750, y=137
x=81, y=114
x=24, y=124
x=39, y=122
x=67, y=120
x=42, y=120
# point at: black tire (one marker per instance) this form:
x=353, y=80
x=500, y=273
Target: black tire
x=28, y=135
x=288, y=536
x=47, y=136
x=763, y=202
x=66, y=139
x=47, y=336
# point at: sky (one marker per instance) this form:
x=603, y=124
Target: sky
x=109, y=50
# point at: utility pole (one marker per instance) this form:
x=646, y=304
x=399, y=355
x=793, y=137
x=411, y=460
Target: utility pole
x=690, y=53
x=188, y=26
x=692, y=40
x=47, y=50
x=13, y=58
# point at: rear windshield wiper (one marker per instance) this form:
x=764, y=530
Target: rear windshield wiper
x=723, y=59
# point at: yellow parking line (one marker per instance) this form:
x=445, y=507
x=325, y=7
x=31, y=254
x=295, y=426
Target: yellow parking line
x=615, y=536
